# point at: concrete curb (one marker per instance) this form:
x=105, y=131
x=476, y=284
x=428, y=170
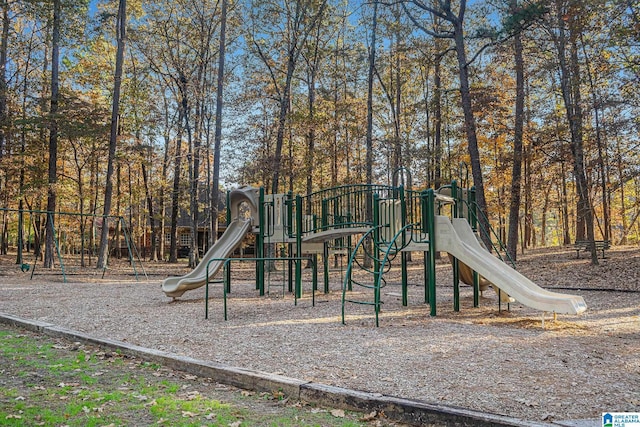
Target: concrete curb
x=396, y=409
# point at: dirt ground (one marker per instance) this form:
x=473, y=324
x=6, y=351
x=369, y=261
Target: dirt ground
x=498, y=361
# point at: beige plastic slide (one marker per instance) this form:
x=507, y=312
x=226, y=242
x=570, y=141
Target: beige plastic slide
x=466, y=234
x=458, y=240
x=228, y=242
x=224, y=247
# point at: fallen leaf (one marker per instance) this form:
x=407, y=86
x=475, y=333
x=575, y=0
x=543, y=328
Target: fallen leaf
x=192, y=395
x=211, y=416
x=188, y=414
x=370, y=416
x=338, y=413
x=235, y=424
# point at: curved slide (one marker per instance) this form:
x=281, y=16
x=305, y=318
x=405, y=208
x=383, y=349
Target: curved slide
x=228, y=242
x=458, y=240
x=223, y=248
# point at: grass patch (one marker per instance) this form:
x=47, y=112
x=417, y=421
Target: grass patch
x=51, y=382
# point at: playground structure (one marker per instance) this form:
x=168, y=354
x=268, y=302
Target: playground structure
x=390, y=221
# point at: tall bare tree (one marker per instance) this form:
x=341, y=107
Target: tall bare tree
x=370, y=77
x=215, y=187
x=455, y=20
x=53, y=135
x=121, y=26
x=568, y=22
x=299, y=18
x=518, y=133
x=4, y=47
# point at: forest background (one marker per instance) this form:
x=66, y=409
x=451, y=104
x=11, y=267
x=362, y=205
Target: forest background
x=152, y=110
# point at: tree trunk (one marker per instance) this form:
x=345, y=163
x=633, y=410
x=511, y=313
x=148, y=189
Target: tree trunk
x=194, y=173
x=626, y=227
x=121, y=26
x=603, y=169
x=175, y=194
x=470, y=129
x=312, y=70
x=4, y=47
x=369, y=135
x=372, y=65
x=437, y=119
x=516, y=172
x=164, y=176
x=53, y=136
x=215, y=188
x=152, y=219
x=570, y=86
x=282, y=123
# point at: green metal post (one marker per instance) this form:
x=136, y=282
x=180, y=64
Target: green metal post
x=206, y=293
x=456, y=266
x=315, y=276
x=260, y=244
x=324, y=218
x=431, y=230
x=376, y=255
x=325, y=259
x=424, y=229
x=227, y=266
x=299, y=246
x=425, y=261
x=289, y=247
x=227, y=272
x=403, y=255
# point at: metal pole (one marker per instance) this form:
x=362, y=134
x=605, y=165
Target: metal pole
x=299, y=246
x=430, y=222
x=325, y=259
x=227, y=272
x=456, y=266
x=126, y=239
x=260, y=244
x=206, y=293
x=403, y=255
x=314, y=279
x=376, y=256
